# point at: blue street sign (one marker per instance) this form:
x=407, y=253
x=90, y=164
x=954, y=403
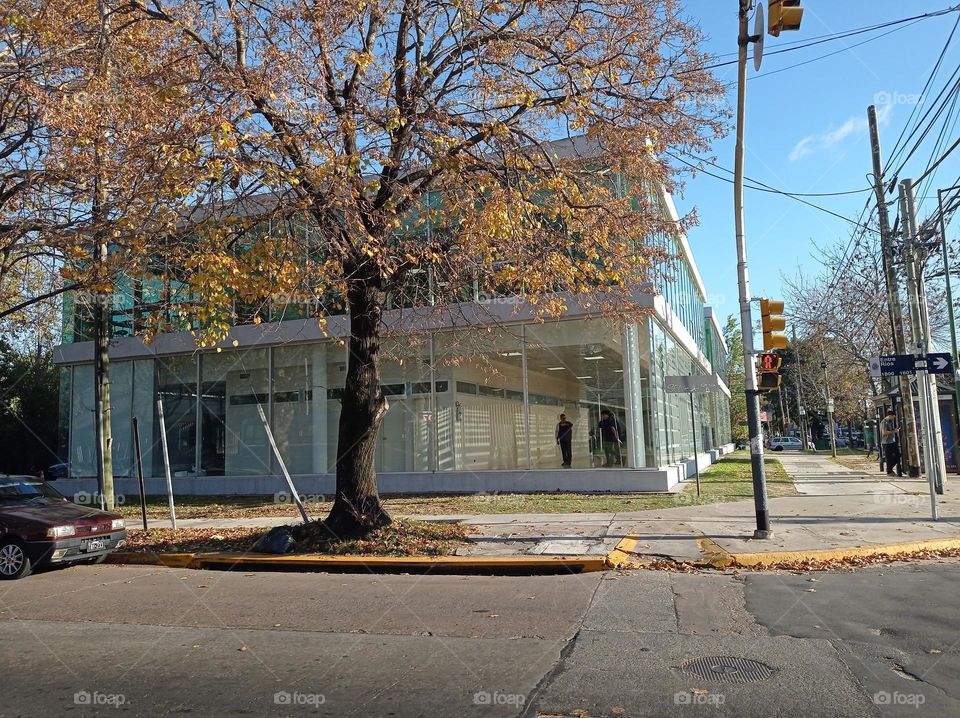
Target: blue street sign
x=897, y=365
x=939, y=364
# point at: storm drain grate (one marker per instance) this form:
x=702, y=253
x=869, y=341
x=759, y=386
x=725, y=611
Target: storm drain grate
x=727, y=669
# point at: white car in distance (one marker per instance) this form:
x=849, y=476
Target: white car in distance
x=779, y=443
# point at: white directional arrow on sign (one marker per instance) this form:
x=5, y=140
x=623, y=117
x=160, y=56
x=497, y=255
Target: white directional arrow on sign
x=939, y=363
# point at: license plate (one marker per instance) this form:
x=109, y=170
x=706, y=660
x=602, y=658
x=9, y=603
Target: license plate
x=94, y=545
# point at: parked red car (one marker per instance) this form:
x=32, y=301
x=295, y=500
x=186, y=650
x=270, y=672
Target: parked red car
x=39, y=526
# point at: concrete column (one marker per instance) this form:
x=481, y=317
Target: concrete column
x=318, y=407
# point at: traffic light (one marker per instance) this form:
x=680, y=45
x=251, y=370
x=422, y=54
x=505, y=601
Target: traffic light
x=768, y=371
x=768, y=381
x=768, y=361
x=783, y=15
x=771, y=311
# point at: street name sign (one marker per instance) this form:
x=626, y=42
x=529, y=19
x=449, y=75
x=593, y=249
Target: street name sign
x=691, y=384
x=893, y=365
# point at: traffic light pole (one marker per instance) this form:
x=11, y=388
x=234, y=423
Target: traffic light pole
x=746, y=322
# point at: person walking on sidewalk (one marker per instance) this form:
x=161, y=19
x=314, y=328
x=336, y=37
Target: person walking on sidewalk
x=891, y=444
x=565, y=440
x=609, y=431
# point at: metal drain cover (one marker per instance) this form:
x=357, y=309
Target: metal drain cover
x=727, y=669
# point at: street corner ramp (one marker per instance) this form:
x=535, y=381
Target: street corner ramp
x=635, y=551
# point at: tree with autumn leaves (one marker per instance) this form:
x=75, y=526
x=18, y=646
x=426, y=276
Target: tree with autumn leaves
x=414, y=136
x=110, y=161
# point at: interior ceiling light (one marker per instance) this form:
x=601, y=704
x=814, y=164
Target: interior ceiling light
x=556, y=368
x=593, y=358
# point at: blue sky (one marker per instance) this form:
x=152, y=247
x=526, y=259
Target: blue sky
x=806, y=131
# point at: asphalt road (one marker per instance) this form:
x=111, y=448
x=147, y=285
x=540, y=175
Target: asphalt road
x=115, y=640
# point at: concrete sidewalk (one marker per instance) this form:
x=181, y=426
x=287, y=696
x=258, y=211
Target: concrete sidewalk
x=839, y=512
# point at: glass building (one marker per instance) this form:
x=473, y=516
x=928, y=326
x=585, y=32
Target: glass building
x=470, y=407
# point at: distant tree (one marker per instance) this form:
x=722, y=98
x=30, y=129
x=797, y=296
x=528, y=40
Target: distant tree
x=736, y=379
x=28, y=409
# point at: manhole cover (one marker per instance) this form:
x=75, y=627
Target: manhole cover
x=727, y=669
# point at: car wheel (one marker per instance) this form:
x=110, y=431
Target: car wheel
x=14, y=562
x=778, y=448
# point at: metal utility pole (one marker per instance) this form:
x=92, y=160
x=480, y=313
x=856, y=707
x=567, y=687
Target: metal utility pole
x=907, y=421
x=932, y=444
x=826, y=387
x=950, y=317
x=746, y=322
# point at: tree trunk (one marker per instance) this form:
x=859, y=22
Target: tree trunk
x=102, y=387
x=357, y=508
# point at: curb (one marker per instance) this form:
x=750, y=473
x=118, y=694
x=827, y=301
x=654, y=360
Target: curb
x=625, y=555
x=767, y=558
x=387, y=564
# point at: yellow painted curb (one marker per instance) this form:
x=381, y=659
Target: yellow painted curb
x=714, y=555
x=766, y=558
x=390, y=563
x=625, y=555
x=173, y=560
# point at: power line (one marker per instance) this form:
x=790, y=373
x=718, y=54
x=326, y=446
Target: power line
x=761, y=187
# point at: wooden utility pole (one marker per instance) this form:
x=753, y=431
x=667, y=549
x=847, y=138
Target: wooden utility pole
x=907, y=421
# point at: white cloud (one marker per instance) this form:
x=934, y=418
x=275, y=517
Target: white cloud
x=827, y=140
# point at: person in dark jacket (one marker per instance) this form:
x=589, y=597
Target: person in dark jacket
x=890, y=439
x=565, y=440
x=610, y=440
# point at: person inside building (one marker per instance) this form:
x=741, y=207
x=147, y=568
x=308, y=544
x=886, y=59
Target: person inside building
x=889, y=438
x=565, y=440
x=610, y=440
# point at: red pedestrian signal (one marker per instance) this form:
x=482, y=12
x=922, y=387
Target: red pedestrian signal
x=768, y=361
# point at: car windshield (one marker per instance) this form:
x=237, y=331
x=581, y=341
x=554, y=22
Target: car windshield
x=27, y=491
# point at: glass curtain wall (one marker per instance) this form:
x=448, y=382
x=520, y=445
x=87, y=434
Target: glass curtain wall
x=176, y=386
x=575, y=368
x=476, y=399
x=234, y=386
x=485, y=399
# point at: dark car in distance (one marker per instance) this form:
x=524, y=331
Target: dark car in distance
x=39, y=526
